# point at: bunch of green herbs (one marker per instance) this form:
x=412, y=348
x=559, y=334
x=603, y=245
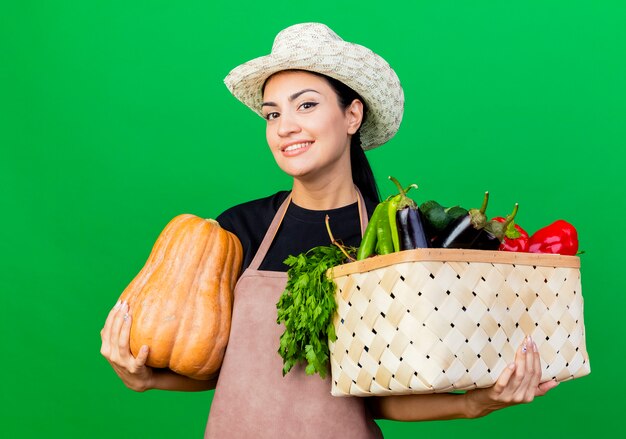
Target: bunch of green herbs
x=306, y=307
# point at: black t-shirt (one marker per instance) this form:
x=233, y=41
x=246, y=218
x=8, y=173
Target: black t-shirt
x=300, y=230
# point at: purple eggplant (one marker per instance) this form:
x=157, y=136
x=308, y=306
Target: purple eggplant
x=465, y=230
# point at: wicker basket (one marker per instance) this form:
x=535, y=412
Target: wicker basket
x=438, y=320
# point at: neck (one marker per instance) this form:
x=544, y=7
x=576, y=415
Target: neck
x=325, y=195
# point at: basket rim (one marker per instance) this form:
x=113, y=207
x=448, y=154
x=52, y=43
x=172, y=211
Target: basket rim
x=455, y=255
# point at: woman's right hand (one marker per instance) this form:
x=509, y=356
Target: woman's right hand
x=116, y=349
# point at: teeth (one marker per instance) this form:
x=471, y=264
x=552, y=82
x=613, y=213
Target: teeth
x=297, y=146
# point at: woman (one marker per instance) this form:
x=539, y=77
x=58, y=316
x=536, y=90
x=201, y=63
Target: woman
x=325, y=101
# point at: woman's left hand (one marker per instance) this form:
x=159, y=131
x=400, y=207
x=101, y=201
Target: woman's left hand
x=519, y=383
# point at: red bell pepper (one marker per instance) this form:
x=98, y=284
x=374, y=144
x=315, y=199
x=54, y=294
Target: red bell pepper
x=560, y=237
x=515, y=237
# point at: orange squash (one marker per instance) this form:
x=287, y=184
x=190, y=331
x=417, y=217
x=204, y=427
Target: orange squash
x=181, y=300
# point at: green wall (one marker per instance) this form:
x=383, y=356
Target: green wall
x=114, y=119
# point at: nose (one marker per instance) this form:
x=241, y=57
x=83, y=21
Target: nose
x=287, y=124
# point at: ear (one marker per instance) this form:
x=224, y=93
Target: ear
x=354, y=116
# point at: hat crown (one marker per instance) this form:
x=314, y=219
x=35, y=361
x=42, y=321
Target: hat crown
x=304, y=34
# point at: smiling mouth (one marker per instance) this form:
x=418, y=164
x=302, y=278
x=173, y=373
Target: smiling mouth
x=297, y=146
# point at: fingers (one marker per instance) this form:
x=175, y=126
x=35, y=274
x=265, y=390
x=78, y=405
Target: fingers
x=126, y=356
x=530, y=357
x=536, y=373
x=107, y=323
x=105, y=333
x=124, y=334
x=513, y=384
x=543, y=388
x=520, y=381
x=142, y=356
x=511, y=378
x=529, y=363
x=116, y=334
x=529, y=383
x=116, y=327
x=504, y=378
x=520, y=369
x=116, y=349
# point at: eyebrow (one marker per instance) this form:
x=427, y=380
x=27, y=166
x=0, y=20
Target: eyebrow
x=291, y=98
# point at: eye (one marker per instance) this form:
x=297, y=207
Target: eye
x=307, y=105
x=271, y=116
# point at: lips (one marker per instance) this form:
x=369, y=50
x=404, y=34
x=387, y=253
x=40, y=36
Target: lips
x=296, y=148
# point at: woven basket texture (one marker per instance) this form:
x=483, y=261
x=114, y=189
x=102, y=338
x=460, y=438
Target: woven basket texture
x=433, y=320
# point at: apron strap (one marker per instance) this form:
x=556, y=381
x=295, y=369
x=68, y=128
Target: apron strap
x=278, y=219
x=269, y=235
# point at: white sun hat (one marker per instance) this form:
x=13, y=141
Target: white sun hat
x=314, y=47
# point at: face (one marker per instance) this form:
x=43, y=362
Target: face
x=307, y=130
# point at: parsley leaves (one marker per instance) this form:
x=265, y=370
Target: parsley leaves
x=306, y=307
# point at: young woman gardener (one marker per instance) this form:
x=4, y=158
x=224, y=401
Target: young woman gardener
x=325, y=101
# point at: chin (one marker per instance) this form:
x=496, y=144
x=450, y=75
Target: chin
x=293, y=170
x=297, y=173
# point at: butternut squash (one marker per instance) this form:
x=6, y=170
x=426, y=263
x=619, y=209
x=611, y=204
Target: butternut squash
x=181, y=300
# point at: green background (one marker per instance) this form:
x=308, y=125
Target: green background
x=114, y=119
